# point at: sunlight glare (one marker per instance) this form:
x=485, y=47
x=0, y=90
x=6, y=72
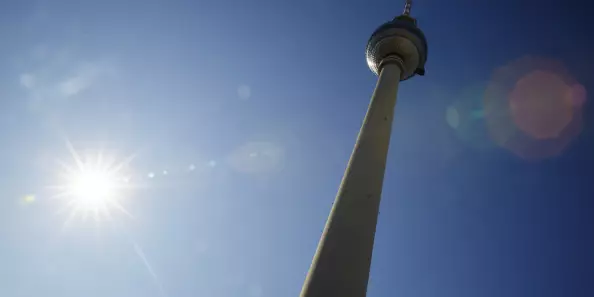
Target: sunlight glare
x=95, y=185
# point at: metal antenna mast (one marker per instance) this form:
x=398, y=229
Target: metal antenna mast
x=407, y=6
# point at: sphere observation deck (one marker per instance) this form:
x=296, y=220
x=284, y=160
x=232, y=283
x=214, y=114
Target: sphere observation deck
x=399, y=41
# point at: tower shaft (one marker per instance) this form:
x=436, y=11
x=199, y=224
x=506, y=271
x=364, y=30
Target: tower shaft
x=341, y=265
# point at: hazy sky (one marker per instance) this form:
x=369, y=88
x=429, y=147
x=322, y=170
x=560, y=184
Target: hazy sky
x=241, y=116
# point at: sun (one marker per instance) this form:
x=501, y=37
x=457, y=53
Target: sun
x=93, y=186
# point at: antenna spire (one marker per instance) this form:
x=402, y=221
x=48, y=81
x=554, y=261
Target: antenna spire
x=407, y=6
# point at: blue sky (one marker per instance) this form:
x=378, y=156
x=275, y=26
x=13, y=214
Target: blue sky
x=252, y=109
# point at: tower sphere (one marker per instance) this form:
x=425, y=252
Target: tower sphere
x=399, y=40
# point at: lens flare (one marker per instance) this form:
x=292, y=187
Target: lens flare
x=540, y=104
x=533, y=107
x=466, y=117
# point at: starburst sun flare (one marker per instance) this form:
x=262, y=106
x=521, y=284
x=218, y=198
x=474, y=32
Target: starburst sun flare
x=94, y=185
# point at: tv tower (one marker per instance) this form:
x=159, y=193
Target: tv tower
x=396, y=51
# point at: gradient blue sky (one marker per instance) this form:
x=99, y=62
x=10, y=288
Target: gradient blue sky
x=265, y=99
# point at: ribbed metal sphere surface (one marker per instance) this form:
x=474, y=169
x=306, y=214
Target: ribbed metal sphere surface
x=400, y=37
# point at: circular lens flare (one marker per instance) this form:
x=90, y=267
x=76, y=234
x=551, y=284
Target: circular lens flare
x=533, y=107
x=539, y=104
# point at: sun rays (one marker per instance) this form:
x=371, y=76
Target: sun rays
x=92, y=184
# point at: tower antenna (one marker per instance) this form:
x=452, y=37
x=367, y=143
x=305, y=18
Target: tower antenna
x=407, y=6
